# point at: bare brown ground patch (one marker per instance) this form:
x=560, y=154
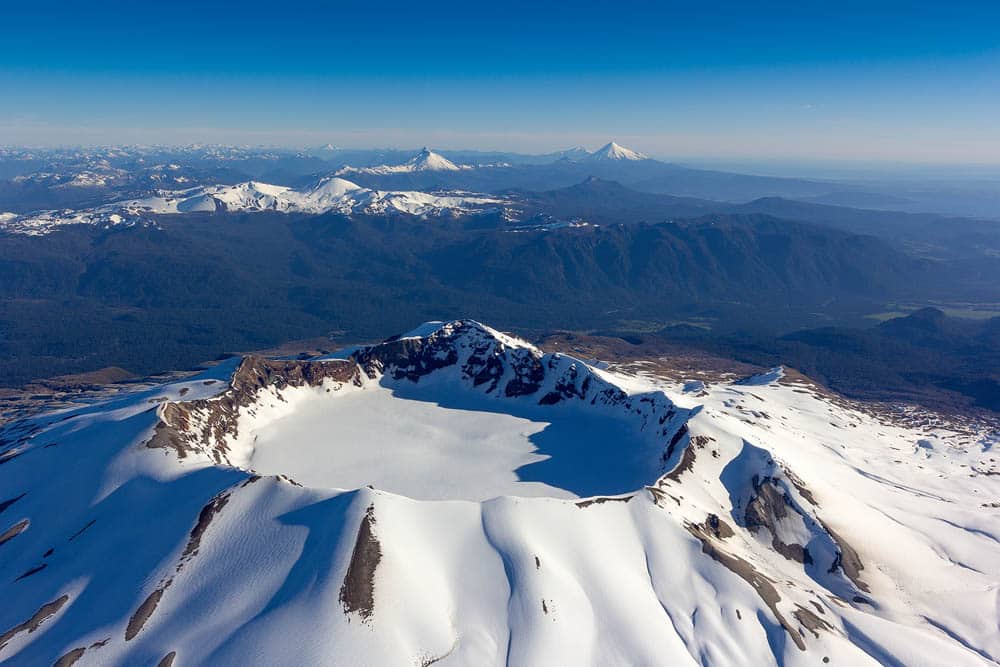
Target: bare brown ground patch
x=44, y=612
x=217, y=418
x=810, y=621
x=145, y=610
x=205, y=517
x=600, y=500
x=715, y=527
x=848, y=559
x=760, y=583
x=357, y=594
x=14, y=531
x=766, y=508
x=148, y=606
x=70, y=658
x=671, y=361
x=686, y=464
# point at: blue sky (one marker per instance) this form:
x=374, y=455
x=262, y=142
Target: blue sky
x=844, y=80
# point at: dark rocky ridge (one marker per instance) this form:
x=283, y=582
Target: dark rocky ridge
x=357, y=594
x=217, y=418
x=483, y=358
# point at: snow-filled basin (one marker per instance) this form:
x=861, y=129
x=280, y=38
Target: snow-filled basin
x=431, y=442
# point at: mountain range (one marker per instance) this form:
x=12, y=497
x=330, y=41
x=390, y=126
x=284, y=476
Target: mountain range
x=328, y=194
x=741, y=436
x=33, y=179
x=335, y=257
x=595, y=255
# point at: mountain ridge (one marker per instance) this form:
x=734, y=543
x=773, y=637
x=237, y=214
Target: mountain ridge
x=754, y=516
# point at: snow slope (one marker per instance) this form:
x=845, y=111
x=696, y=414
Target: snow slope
x=425, y=160
x=525, y=509
x=614, y=152
x=329, y=194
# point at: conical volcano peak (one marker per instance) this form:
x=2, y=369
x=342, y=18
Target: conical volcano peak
x=428, y=160
x=613, y=151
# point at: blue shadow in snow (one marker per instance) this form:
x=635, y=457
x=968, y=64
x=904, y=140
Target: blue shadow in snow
x=590, y=453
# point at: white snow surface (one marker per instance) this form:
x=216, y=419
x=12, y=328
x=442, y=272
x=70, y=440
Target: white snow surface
x=484, y=552
x=329, y=194
x=613, y=151
x=425, y=160
x=439, y=441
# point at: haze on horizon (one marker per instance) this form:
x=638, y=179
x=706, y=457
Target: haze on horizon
x=897, y=82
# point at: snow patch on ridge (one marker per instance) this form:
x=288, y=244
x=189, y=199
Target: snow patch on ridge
x=329, y=194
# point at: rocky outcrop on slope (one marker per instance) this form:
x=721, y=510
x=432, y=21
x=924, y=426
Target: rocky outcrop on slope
x=484, y=360
x=208, y=425
x=505, y=367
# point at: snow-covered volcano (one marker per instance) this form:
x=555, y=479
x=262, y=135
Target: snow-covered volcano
x=614, y=152
x=455, y=496
x=328, y=194
x=403, y=418
x=425, y=160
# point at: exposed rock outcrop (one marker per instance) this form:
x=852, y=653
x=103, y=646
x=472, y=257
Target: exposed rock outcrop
x=207, y=425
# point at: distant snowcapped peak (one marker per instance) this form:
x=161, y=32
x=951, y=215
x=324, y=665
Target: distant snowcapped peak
x=425, y=160
x=613, y=151
x=428, y=160
x=332, y=187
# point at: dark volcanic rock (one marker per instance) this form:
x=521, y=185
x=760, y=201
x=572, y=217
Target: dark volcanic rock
x=217, y=417
x=357, y=594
